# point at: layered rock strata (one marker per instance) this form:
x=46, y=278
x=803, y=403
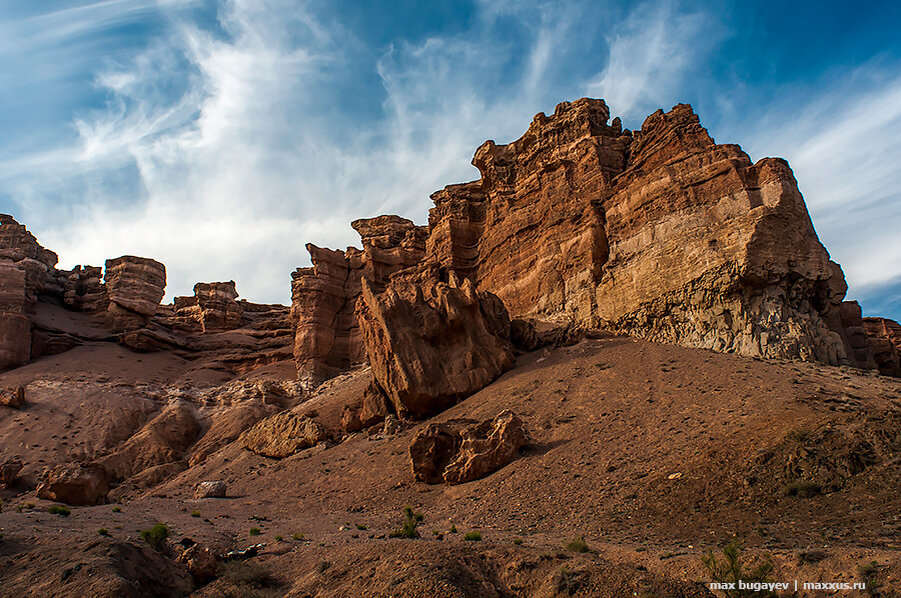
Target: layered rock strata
x=135, y=287
x=324, y=296
x=884, y=338
x=214, y=307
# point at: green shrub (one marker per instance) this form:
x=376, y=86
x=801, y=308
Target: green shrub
x=362, y=528
x=473, y=536
x=453, y=529
x=298, y=537
x=577, y=545
x=117, y=509
x=869, y=574
x=59, y=510
x=517, y=541
x=156, y=536
x=255, y=531
x=732, y=570
x=279, y=538
x=408, y=530
x=195, y=513
x=103, y=531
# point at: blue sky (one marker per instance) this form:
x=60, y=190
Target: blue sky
x=219, y=136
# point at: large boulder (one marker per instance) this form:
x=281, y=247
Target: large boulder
x=460, y=451
x=135, y=286
x=75, y=484
x=431, y=343
x=282, y=435
x=9, y=472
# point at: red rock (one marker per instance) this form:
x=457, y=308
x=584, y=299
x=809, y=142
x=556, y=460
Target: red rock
x=431, y=343
x=75, y=484
x=214, y=489
x=369, y=411
x=201, y=563
x=135, y=286
x=14, y=397
x=460, y=451
x=83, y=290
x=884, y=340
x=212, y=308
x=327, y=336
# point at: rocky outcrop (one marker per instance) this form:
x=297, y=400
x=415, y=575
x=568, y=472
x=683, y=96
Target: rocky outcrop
x=662, y=234
x=327, y=337
x=884, y=339
x=368, y=411
x=135, y=286
x=214, y=307
x=9, y=472
x=75, y=484
x=431, y=343
x=460, y=451
x=82, y=289
x=163, y=440
x=282, y=435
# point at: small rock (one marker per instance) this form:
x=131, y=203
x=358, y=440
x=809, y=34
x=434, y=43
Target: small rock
x=13, y=398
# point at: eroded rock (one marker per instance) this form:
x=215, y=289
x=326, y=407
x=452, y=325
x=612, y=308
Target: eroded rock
x=212, y=489
x=135, y=286
x=460, y=451
x=13, y=397
x=432, y=343
x=9, y=471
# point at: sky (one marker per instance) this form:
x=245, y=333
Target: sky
x=220, y=136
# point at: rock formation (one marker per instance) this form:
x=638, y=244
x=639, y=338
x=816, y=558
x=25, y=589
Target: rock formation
x=135, y=286
x=884, y=338
x=460, y=451
x=13, y=397
x=327, y=337
x=662, y=234
x=213, y=307
x=431, y=343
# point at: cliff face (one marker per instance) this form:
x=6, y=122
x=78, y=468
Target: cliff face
x=662, y=234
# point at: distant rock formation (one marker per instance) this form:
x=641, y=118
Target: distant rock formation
x=884, y=338
x=213, y=307
x=135, y=287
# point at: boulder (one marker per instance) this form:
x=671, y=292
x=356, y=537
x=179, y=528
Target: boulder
x=282, y=435
x=75, y=484
x=9, y=472
x=369, y=411
x=14, y=398
x=214, y=489
x=200, y=562
x=135, y=286
x=460, y=451
x=431, y=343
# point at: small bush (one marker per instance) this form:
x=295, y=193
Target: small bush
x=298, y=537
x=517, y=541
x=869, y=574
x=577, y=545
x=250, y=579
x=473, y=536
x=156, y=536
x=59, y=510
x=803, y=489
x=408, y=530
x=117, y=509
x=569, y=581
x=362, y=528
x=732, y=570
x=103, y=531
x=279, y=538
x=195, y=513
x=453, y=529
x=322, y=566
x=255, y=531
